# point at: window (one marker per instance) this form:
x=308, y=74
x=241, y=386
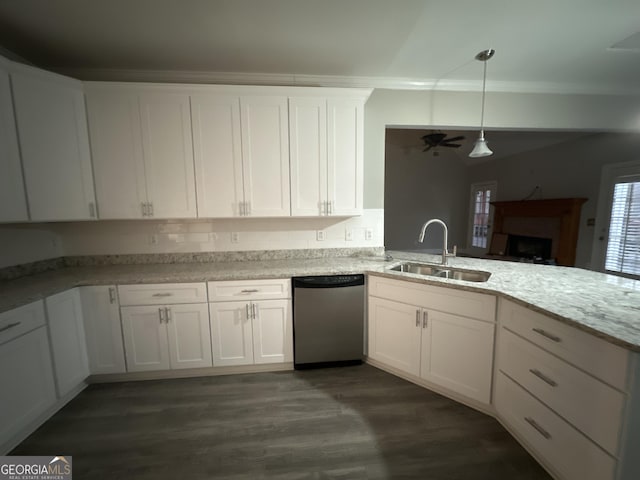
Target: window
x=623, y=245
x=482, y=194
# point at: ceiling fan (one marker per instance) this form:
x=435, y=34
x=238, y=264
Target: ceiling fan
x=439, y=139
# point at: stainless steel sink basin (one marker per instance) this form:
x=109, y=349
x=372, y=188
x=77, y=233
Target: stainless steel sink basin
x=442, y=272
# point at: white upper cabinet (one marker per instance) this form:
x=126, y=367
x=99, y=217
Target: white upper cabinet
x=13, y=203
x=326, y=144
x=52, y=130
x=142, y=151
x=116, y=144
x=217, y=151
x=345, y=136
x=168, y=154
x=265, y=155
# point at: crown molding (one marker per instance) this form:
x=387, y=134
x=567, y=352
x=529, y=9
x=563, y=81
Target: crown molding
x=339, y=81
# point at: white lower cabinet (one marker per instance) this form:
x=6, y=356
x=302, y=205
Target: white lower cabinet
x=166, y=337
x=103, y=329
x=431, y=337
x=26, y=375
x=252, y=330
x=68, y=344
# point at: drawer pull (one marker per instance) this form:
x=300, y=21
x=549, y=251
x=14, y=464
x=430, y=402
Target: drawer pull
x=538, y=428
x=543, y=377
x=425, y=319
x=417, y=318
x=546, y=334
x=9, y=327
x=167, y=294
x=250, y=290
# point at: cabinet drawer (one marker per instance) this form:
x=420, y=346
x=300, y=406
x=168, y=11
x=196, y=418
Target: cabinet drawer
x=162, y=294
x=249, y=289
x=449, y=300
x=21, y=320
x=566, y=450
x=594, y=355
x=574, y=395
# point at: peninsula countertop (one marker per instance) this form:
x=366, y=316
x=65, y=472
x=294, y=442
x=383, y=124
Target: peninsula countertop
x=604, y=305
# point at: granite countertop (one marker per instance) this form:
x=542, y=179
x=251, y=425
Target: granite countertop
x=604, y=305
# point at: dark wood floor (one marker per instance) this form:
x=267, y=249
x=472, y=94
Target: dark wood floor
x=341, y=423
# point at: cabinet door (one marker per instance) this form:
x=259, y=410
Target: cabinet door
x=64, y=313
x=457, y=353
x=103, y=329
x=272, y=331
x=265, y=156
x=26, y=376
x=168, y=154
x=116, y=147
x=394, y=334
x=308, y=156
x=54, y=142
x=13, y=203
x=217, y=151
x=145, y=339
x=189, y=335
x=231, y=333
x=345, y=156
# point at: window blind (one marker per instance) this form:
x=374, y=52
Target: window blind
x=623, y=247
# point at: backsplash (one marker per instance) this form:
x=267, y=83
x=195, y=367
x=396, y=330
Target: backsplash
x=219, y=235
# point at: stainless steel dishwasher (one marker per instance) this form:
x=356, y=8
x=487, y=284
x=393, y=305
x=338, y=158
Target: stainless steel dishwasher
x=328, y=320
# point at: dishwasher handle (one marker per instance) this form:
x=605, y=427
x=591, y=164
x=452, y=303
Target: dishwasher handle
x=328, y=281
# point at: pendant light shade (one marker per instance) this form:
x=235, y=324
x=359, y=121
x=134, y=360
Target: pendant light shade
x=480, y=149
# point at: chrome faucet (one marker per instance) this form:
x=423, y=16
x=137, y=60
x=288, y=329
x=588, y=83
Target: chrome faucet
x=445, y=230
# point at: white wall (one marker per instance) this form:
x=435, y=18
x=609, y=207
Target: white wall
x=131, y=237
x=420, y=186
x=503, y=110
x=27, y=243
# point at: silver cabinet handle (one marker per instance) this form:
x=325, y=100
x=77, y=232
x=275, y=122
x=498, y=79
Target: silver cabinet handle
x=150, y=209
x=546, y=334
x=249, y=290
x=254, y=309
x=425, y=319
x=165, y=294
x=543, y=377
x=330, y=207
x=143, y=207
x=321, y=206
x=161, y=314
x=248, y=313
x=417, y=318
x=112, y=295
x=92, y=209
x=167, y=312
x=10, y=326
x=539, y=429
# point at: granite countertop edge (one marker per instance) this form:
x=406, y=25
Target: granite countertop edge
x=612, y=310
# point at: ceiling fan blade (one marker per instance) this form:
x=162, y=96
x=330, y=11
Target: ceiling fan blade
x=428, y=148
x=450, y=145
x=433, y=139
x=455, y=139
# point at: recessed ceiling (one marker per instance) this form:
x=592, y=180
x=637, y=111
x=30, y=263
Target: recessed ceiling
x=540, y=46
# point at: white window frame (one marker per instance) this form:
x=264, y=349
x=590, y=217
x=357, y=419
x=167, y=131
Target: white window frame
x=611, y=174
x=486, y=185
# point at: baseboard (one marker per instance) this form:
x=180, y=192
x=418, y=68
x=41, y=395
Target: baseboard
x=189, y=373
x=32, y=426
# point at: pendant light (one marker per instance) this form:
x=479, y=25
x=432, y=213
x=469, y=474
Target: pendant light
x=480, y=149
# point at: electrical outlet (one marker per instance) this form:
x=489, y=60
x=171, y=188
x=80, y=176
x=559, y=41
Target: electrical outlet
x=368, y=234
x=235, y=237
x=153, y=239
x=348, y=235
x=320, y=235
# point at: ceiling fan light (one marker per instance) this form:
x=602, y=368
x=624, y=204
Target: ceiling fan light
x=480, y=148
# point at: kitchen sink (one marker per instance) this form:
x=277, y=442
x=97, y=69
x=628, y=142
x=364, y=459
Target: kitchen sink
x=442, y=272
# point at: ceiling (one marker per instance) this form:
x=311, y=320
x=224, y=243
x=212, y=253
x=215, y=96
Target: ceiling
x=546, y=45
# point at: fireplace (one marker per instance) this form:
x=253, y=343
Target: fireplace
x=547, y=227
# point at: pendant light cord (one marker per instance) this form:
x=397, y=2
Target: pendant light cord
x=484, y=83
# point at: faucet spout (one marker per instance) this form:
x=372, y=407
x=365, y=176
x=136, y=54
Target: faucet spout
x=445, y=231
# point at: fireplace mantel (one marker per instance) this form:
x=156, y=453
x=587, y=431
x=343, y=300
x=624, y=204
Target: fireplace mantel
x=558, y=219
